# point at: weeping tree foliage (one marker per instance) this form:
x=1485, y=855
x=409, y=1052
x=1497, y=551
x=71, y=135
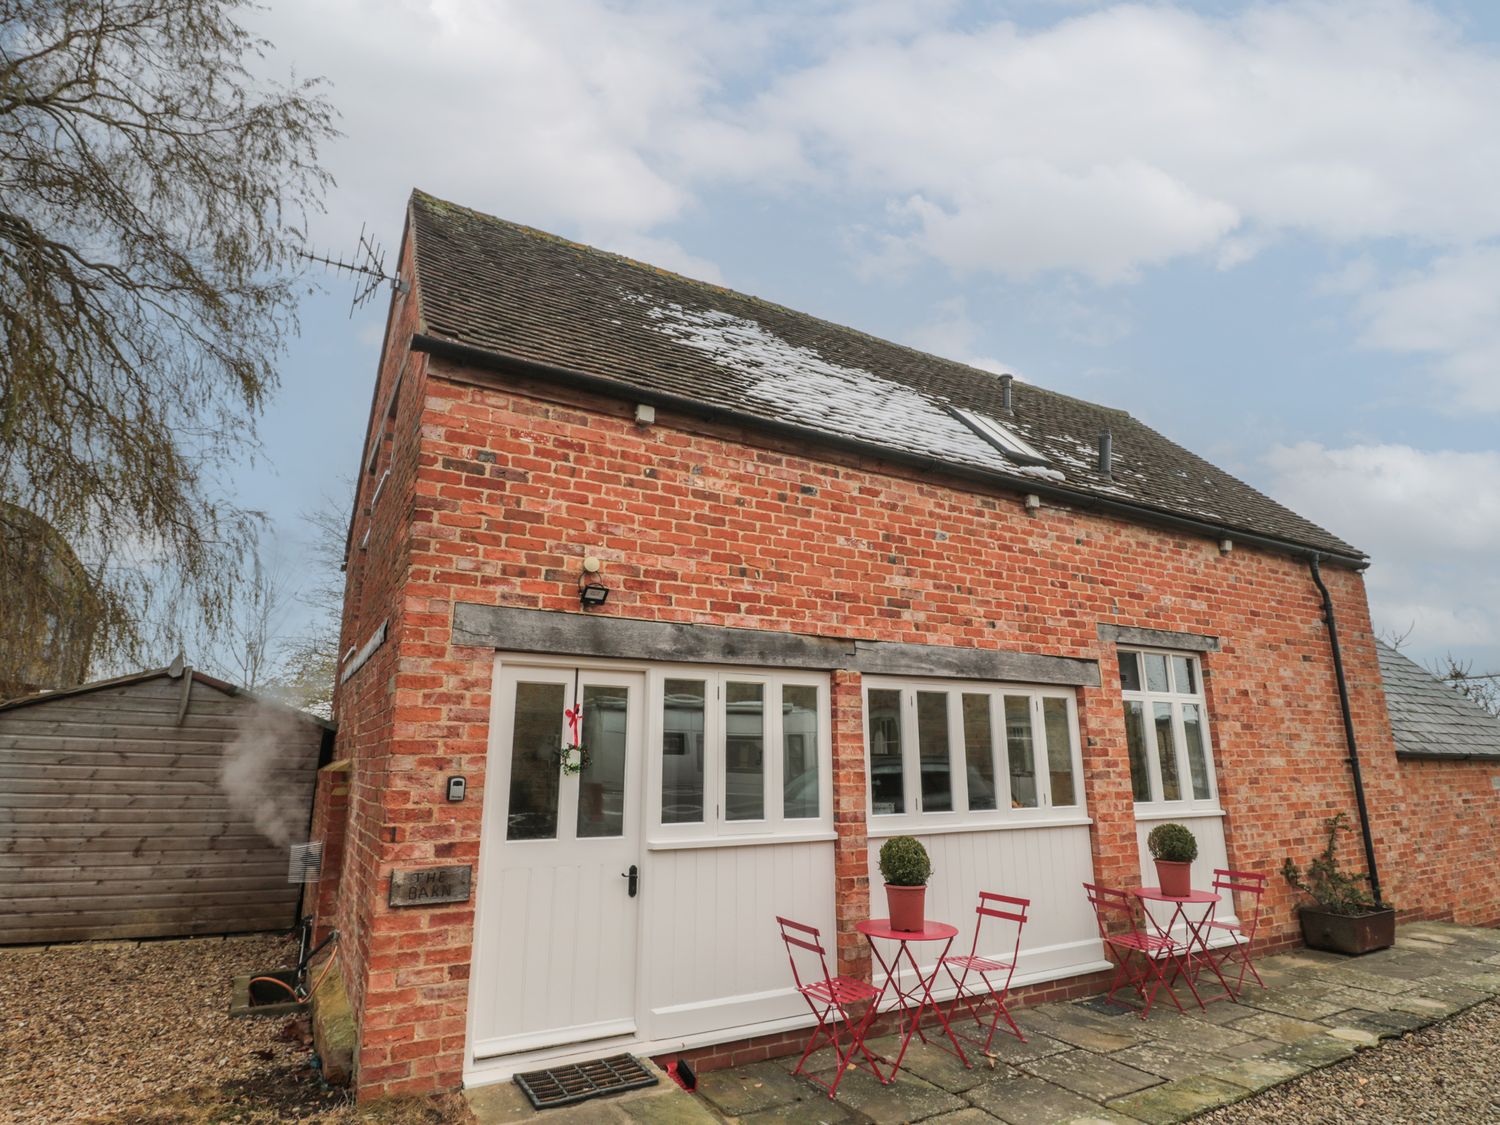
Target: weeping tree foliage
x=154, y=192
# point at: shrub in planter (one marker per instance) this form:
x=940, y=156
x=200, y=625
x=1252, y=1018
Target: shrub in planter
x=1344, y=917
x=905, y=867
x=1173, y=848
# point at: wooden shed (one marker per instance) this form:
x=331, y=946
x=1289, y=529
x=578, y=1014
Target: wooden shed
x=154, y=805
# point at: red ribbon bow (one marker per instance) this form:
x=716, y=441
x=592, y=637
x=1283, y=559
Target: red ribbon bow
x=574, y=715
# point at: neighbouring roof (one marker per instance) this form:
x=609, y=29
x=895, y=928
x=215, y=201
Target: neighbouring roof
x=174, y=671
x=517, y=292
x=1429, y=718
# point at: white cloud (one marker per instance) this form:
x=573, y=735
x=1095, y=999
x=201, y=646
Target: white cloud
x=555, y=114
x=1126, y=137
x=950, y=332
x=1430, y=521
x=1450, y=312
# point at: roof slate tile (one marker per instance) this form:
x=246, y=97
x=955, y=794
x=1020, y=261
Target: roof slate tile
x=519, y=292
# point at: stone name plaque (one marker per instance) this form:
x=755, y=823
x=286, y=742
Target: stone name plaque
x=431, y=885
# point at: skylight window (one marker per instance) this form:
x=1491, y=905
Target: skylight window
x=998, y=436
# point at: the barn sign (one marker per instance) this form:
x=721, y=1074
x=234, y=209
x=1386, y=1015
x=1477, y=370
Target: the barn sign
x=431, y=885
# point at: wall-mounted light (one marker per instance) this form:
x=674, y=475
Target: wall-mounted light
x=591, y=592
x=1225, y=546
x=1033, y=503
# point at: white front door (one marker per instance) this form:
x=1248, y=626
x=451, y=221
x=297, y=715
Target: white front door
x=555, y=940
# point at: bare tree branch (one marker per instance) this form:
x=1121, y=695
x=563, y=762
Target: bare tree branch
x=153, y=198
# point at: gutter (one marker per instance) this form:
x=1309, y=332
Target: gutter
x=613, y=388
x=1359, y=783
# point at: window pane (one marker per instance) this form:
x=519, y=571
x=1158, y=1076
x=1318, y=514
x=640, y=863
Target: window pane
x=1183, y=680
x=932, y=749
x=682, y=752
x=1130, y=671
x=1135, y=739
x=744, y=751
x=1059, y=751
x=601, y=785
x=979, y=751
x=1192, y=733
x=534, y=769
x=1166, y=752
x=887, y=788
x=1156, y=671
x=799, y=751
x=1019, y=752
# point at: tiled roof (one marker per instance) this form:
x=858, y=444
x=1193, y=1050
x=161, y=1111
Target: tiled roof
x=504, y=288
x=1429, y=718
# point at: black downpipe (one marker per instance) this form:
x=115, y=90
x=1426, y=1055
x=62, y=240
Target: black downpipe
x=1359, y=782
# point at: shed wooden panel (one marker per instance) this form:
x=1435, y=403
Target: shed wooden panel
x=157, y=805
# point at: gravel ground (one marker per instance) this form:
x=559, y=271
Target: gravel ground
x=1447, y=1073
x=124, y=1033
x=94, y=1030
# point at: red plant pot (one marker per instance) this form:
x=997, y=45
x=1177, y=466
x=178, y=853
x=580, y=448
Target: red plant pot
x=1176, y=878
x=908, y=907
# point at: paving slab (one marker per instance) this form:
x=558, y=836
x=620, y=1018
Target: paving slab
x=1185, y=1031
x=1250, y=1050
x=970, y=1116
x=1009, y=1049
x=813, y=1111
x=933, y=1064
x=1384, y=1023
x=1355, y=977
x=1256, y=1075
x=1078, y=1028
x=1485, y=982
x=1223, y=1011
x=676, y=1108
x=760, y=1086
x=1284, y=1029
x=908, y=1098
x=1313, y=1053
x=1168, y=1060
x=1021, y=1099
x=1094, y=1076
x=1177, y=1101
x=1356, y=1035
x=1298, y=1005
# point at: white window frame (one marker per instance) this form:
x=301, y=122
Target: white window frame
x=961, y=816
x=715, y=827
x=1186, y=805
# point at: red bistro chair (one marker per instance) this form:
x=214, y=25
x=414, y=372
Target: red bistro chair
x=1139, y=955
x=830, y=999
x=1242, y=933
x=1006, y=909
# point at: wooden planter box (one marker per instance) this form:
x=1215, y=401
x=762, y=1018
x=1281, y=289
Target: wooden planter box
x=1348, y=933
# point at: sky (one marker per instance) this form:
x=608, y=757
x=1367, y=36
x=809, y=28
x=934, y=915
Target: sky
x=1269, y=230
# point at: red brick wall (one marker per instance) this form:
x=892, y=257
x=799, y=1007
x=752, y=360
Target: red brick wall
x=700, y=523
x=330, y=822
x=1453, y=853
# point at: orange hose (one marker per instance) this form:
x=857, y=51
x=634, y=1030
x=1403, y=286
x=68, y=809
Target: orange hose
x=332, y=957
x=276, y=981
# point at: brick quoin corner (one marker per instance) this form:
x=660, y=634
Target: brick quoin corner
x=492, y=491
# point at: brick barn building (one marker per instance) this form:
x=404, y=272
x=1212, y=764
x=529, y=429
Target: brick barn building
x=850, y=590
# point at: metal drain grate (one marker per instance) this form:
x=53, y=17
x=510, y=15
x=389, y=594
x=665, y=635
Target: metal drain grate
x=564, y=1085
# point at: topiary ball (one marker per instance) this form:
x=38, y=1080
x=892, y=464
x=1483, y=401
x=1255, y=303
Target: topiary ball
x=1172, y=843
x=904, y=862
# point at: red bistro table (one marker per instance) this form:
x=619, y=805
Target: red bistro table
x=921, y=991
x=1195, y=948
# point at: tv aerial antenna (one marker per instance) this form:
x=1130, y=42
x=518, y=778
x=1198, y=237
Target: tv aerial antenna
x=366, y=267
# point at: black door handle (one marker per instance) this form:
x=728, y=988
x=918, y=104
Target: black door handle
x=634, y=879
